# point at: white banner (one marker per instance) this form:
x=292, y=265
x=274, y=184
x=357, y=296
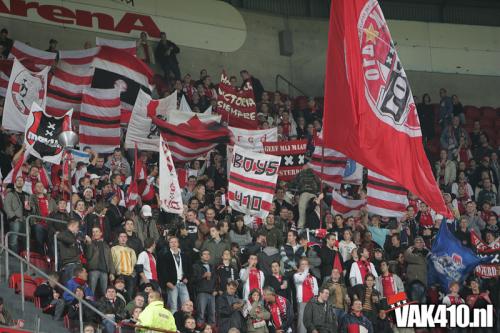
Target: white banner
x=252, y=139
x=41, y=135
x=252, y=182
x=170, y=191
x=25, y=88
x=141, y=129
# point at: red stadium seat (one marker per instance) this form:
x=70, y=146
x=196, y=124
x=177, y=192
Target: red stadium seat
x=488, y=112
x=29, y=289
x=15, y=281
x=38, y=260
x=486, y=123
x=472, y=112
x=497, y=124
x=39, y=280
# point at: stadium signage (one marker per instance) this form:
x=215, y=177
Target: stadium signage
x=54, y=14
x=182, y=20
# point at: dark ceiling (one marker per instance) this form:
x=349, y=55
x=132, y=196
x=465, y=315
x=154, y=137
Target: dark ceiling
x=474, y=12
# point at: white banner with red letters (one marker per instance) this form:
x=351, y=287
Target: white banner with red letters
x=253, y=139
x=252, y=181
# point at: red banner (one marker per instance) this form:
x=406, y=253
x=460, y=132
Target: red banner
x=236, y=106
x=490, y=270
x=369, y=113
x=292, y=156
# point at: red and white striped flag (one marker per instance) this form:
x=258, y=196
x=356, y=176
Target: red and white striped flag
x=5, y=69
x=115, y=68
x=344, y=206
x=385, y=197
x=72, y=75
x=32, y=58
x=128, y=46
x=192, y=139
x=328, y=164
x=100, y=119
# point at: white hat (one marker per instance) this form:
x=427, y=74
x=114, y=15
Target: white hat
x=146, y=211
x=94, y=176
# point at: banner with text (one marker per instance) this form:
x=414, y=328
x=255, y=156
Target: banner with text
x=236, y=106
x=292, y=156
x=252, y=182
x=253, y=139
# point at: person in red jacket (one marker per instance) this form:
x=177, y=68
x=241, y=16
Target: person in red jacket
x=355, y=320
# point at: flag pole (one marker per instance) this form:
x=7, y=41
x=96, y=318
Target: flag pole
x=321, y=184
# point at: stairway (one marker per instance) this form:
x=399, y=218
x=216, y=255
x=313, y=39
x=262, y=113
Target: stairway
x=31, y=314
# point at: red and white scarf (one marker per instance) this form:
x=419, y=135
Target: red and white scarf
x=364, y=268
x=254, y=279
x=278, y=312
x=307, y=289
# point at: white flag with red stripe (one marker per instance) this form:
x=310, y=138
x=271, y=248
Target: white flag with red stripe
x=385, y=197
x=32, y=58
x=128, y=46
x=252, y=181
x=17, y=171
x=328, y=164
x=344, y=206
x=100, y=119
x=5, y=69
x=141, y=130
x=25, y=88
x=170, y=191
x=71, y=76
x=133, y=190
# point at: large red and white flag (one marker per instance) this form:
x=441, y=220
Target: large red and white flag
x=253, y=139
x=133, y=190
x=115, y=68
x=345, y=206
x=100, y=119
x=192, y=139
x=370, y=114
x=25, y=88
x=128, y=46
x=237, y=106
x=385, y=197
x=170, y=191
x=71, y=76
x=5, y=69
x=32, y=58
x=328, y=164
x=252, y=181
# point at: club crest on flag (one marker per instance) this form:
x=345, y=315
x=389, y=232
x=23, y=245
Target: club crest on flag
x=386, y=85
x=28, y=88
x=397, y=301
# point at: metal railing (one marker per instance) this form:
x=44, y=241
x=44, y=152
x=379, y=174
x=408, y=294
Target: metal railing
x=28, y=237
x=81, y=302
x=289, y=84
x=6, y=246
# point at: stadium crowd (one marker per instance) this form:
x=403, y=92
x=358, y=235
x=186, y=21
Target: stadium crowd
x=215, y=270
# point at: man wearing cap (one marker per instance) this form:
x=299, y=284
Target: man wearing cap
x=146, y=226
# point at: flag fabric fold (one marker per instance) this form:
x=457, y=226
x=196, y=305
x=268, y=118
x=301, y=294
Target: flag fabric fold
x=385, y=197
x=32, y=58
x=170, y=191
x=128, y=46
x=328, y=164
x=370, y=114
x=344, y=206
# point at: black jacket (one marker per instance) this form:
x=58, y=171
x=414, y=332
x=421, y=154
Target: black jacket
x=69, y=250
x=327, y=256
x=117, y=308
x=115, y=218
x=273, y=282
x=201, y=284
x=167, y=59
x=135, y=243
x=53, y=227
x=228, y=317
x=320, y=317
x=167, y=271
x=92, y=221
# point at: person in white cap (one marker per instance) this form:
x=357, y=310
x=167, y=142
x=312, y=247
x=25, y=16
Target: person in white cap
x=146, y=225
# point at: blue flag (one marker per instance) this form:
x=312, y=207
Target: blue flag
x=449, y=260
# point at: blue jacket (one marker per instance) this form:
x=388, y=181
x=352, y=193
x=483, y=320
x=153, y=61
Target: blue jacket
x=351, y=323
x=71, y=285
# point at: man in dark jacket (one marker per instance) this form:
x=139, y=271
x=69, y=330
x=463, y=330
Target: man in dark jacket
x=53, y=227
x=99, y=261
x=354, y=320
x=50, y=296
x=133, y=240
x=229, y=308
x=204, y=280
x=173, y=273
x=258, y=89
x=281, y=311
x=319, y=314
x=166, y=55
x=330, y=257
x=69, y=250
x=113, y=307
x=15, y=209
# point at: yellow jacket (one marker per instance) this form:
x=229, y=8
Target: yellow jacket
x=124, y=259
x=156, y=316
